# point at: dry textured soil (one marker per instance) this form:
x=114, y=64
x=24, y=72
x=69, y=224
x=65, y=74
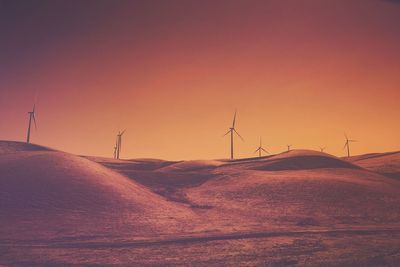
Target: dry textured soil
x=300, y=208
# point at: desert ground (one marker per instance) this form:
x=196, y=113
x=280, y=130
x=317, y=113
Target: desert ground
x=298, y=208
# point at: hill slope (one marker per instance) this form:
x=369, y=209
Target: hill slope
x=387, y=164
x=56, y=191
x=300, y=188
x=299, y=207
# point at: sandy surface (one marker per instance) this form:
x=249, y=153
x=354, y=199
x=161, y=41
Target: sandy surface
x=301, y=208
x=387, y=164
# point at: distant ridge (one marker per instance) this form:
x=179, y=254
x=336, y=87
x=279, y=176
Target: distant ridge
x=298, y=159
x=14, y=146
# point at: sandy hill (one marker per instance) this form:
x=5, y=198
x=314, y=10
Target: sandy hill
x=387, y=164
x=54, y=191
x=165, y=178
x=192, y=165
x=13, y=147
x=300, y=207
x=300, y=188
x=132, y=164
x=293, y=160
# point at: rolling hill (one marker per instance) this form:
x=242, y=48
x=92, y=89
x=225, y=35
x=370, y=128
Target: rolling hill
x=299, y=188
x=62, y=194
x=296, y=208
x=387, y=164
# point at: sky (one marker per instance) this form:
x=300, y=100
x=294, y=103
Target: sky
x=173, y=72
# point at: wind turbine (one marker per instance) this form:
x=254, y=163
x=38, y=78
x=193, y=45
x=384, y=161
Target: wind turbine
x=31, y=117
x=322, y=149
x=288, y=147
x=115, y=149
x=347, y=144
x=119, y=142
x=260, y=149
x=231, y=131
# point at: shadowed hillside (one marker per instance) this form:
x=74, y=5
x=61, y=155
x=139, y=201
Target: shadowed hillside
x=387, y=164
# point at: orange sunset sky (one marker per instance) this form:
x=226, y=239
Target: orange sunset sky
x=172, y=73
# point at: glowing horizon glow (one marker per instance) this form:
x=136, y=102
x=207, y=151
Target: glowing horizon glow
x=173, y=73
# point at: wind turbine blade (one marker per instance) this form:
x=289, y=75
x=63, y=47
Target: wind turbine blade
x=234, y=119
x=34, y=120
x=353, y=141
x=258, y=149
x=123, y=132
x=345, y=144
x=264, y=150
x=239, y=135
x=227, y=133
x=34, y=106
x=35, y=100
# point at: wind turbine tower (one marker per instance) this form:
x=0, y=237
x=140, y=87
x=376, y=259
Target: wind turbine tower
x=232, y=130
x=288, y=147
x=119, y=143
x=347, y=144
x=31, y=118
x=115, y=149
x=260, y=149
